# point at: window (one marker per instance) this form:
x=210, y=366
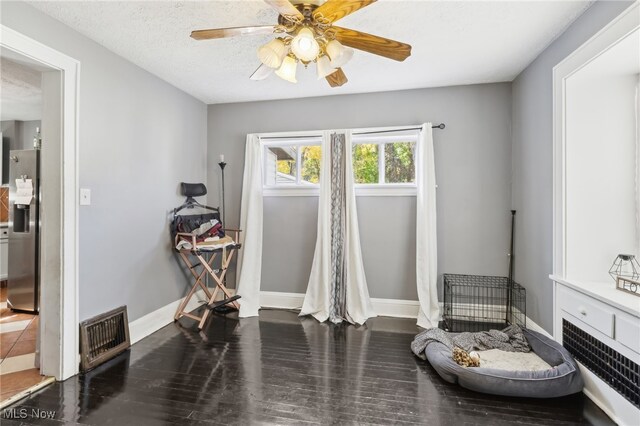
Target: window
x=384, y=164
x=292, y=164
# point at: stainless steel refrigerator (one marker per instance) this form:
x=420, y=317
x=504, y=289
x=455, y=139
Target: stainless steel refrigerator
x=24, y=230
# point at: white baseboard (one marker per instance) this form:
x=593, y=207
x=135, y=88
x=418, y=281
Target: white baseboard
x=532, y=325
x=154, y=321
x=281, y=300
x=383, y=307
x=396, y=308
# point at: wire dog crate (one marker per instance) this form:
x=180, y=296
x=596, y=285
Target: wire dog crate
x=478, y=303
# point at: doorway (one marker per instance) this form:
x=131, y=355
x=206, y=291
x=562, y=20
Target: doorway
x=29, y=109
x=56, y=352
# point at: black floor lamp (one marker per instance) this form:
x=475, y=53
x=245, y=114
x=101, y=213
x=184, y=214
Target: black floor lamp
x=222, y=165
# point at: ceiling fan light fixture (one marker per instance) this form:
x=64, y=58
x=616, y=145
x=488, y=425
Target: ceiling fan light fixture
x=273, y=53
x=287, y=70
x=305, y=46
x=323, y=67
x=338, y=53
x=305, y=32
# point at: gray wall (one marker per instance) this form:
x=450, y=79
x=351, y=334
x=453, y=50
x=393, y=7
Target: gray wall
x=532, y=159
x=8, y=128
x=473, y=162
x=20, y=133
x=28, y=131
x=139, y=137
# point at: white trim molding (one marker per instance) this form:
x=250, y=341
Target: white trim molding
x=154, y=321
x=59, y=353
x=375, y=190
x=382, y=307
x=281, y=300
x=397, y=308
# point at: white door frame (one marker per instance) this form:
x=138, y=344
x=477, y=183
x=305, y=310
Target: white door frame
x=60, y=357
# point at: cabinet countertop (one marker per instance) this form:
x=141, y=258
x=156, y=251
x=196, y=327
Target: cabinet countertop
x=605, y=292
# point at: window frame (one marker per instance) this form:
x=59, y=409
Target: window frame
x=312, y=138
x=297, y=188
x=383, y=188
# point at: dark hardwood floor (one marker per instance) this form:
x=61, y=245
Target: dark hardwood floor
x=280, y=369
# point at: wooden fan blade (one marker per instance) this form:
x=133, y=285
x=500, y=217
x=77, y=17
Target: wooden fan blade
x=373, y=44
x=231, y=32
x=333, y=10
x=285, y=8
x=337, y=78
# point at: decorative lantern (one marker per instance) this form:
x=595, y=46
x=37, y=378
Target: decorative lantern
x=625, y=266
x=626, y=273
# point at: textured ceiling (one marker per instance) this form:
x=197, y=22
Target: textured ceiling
x=454, y=43
x=20, y=92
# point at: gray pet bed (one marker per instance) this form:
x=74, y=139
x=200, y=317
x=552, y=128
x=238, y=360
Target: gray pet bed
x=563, y=379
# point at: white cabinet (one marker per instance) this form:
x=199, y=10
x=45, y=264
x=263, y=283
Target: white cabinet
x=608, y=321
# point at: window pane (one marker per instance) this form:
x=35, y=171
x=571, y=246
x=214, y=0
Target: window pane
x=365, y=163
x=399, y=165
x=310, y=169
x=281, y=165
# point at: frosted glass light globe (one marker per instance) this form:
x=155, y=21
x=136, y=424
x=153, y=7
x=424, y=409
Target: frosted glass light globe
x=287, y=70
x=272, y=53
x=338, y=53
x=305, y=46
x=323, y=67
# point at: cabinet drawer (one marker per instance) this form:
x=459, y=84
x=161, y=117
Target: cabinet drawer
x=628, y=332
x=588, y=310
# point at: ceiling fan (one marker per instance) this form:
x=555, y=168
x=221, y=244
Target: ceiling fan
x=306, y=34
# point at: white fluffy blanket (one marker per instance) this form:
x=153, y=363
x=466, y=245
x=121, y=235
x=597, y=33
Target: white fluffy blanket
x=512, y=361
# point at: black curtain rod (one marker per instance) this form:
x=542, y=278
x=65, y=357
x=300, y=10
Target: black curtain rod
x=440, y=126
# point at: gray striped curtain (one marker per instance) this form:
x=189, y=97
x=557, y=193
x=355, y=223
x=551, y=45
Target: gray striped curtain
x=337, y=289
x=337, y=310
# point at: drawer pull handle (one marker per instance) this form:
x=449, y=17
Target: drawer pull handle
x=582, y=311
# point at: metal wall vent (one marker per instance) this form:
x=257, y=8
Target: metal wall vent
x=615, y=369
x=103, y=337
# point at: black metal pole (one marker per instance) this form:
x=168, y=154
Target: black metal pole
x=511, y=256
x=222, y=164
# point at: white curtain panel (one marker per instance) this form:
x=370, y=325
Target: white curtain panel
x=337, y=288
x=426, y=238
x=250, y=255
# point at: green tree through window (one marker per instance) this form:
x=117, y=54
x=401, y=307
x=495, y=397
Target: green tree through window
x=311, y=156
x=399, y=166
x=365, y=163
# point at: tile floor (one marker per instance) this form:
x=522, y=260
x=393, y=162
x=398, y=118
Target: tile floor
x=18, y=333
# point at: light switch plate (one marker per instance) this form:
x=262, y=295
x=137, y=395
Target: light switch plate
x=85, y=197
